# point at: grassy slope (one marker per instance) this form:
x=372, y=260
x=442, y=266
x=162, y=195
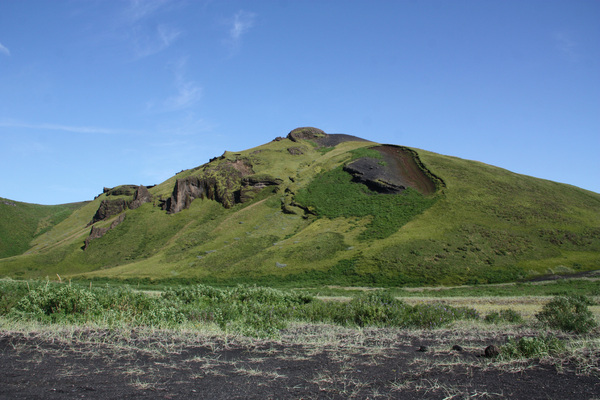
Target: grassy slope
x=488, y=225
x=21, y=223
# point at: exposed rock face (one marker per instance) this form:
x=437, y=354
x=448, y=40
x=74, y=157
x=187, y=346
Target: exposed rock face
x=188, y=189
x=371, y=172
x=97, y=233
x=320, y=137
x=141, y=196
x=398, y=169
x=306, y=133
x=253, y=184
x=108, y=208
x=223, y=182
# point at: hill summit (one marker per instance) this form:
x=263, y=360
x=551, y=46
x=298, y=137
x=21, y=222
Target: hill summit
x=314, y=207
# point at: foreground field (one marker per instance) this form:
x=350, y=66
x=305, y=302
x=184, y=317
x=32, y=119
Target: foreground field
x=307, y=362
x=63, y=340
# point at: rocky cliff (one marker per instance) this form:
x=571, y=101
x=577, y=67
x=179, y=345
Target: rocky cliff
x=227, y=181
x=141, y=196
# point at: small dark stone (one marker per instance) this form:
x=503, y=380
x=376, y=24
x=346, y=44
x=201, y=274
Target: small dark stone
x=423, y=349
x=457, y=347
x=491, y=351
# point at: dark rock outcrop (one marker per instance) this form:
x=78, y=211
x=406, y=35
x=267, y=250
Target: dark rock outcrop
x=398, y=168
x=97, y=232
x=108, y=208
x=320, y=138
x=374, y=174
x=223, y=182
x=188, y=189
x=305, y=133
x=141, y=196
x=253, y=184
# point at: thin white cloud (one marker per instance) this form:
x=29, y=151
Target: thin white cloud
x=240, y=25
x=140, y=9
x=188, y=91
x=4, y=50
x=147, y=35
x=167, y=35
x=148, y=44
x=63, y=128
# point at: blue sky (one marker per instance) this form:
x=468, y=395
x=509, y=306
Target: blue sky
x=102, y=93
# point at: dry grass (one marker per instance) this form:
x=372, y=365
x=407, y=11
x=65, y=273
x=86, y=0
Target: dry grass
x=527, y=306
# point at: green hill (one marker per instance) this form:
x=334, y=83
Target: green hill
x=20, y=223
x=318, y=208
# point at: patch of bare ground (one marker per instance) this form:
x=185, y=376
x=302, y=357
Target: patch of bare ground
x=307, y=362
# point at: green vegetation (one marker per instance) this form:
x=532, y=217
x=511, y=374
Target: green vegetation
x=247, y=310
x=265, y=312
x=332, y=194
x=484, y=225
x=531, y=347
x=363, y=152
x=20, y=223
x=569, y=313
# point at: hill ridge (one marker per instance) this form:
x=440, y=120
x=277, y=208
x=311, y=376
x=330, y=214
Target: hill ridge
x=323, y=207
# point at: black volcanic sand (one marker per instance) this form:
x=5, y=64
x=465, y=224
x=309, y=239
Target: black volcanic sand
x=307, y=363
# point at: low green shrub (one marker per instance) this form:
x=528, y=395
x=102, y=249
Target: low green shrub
x=568, y=313
x=372, y=309
x=531, y=347
x=10, y=294
x=190, y=294
x=54, y=303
